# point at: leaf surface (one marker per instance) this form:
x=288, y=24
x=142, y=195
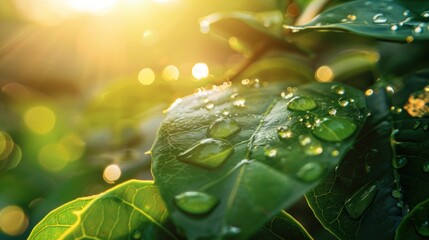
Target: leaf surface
x=131, y=210
x=403, y=21
x=275, y=157
x=382, y=177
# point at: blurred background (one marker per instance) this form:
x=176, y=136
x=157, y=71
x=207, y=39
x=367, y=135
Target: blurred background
x=83, y=86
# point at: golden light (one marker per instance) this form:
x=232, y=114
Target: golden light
x=40, y=119
x=200, y=71
x=324, y=74
x=95, y=7
x=53, y=157
x=204, y=26
x=112, y=173
x=146, y=76
x=6, y=145
x=74, y=145
x=150, y=38
x=13, y=220
x=170, y=73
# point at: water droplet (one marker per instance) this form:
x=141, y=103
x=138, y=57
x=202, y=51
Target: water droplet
x=137, y=234
x=208, y=153
x=409, y=39
x=425, y=167
x=425, y=14
x=418, y=29
x=422, y=227
x=343, y=102
x=284, y=133
x=311, y=146
x=286, y=95
x=395, y=110
x=406, y=13
x=396, y=194
x=230, y=231
x=195, y=203
x=394, y=27
x=351, y=17
x=360, y=201
x=310, y=172
x=332, y=111
x=334, y=129
x=369, y=92
x=302, y=104
x=338, y=89
x=225, y=112
x=209, y=106
x=223, y=128
x=270, y=152
x=335, y=153
x=399, y=162
x=239, y=101
x=379, y=18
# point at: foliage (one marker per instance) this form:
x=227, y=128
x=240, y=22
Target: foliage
x=333, y=109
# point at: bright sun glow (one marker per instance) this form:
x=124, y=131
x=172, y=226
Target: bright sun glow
x=96, y=7
x=200, y=71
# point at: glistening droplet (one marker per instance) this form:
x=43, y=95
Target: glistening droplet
x=422, y=226
x=208, y=153
x=332, y=111
x=284, y=133
x=302, y=104
x=343, y=102
x=334, y=129
x=311, y=146
x=310, y=172
x=338, y=89
x=223, y=128
x=379, y=18
x=270, y=152
x=195, y=203
x=360, y=201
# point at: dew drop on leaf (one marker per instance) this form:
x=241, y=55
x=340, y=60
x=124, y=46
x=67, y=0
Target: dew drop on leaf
x=343, y=102
x=223, y=128
x=422, y=227
x=284, y=133
x=208, y=153
x=334, y=129
x=335, y=153
x=209, y=106
x=302, y=104
x=310, y=172
x=332, y=111
x=338, y=90
x=418, y=29
x=195, y=203
x=379, y=18
x=225, y=112
x=399, y=162
x=394, y=27
x=239, y=102
x=406, y=13
x=270, y=152
x=360, y=201
x=425, y=14
x=312, y=147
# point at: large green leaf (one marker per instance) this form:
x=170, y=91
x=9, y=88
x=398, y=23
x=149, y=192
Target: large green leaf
x=383, y=19
x=282, y=226
x=242, y=153
x=415, y=225
x=383, y=176
x=132, y=210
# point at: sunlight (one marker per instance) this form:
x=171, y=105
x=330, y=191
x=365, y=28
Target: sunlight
x=96, y=7
x=200, y=71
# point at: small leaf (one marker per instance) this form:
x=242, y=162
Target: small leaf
x=131, y=208
x=282, y=226
x=383, y=19
x=275, y=158
x=415, y=225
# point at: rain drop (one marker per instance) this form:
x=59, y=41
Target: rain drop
x=223, y=128
x=343, y=102
x=406, y=13
x=332, y=111
x=284, y=133
x=418, y=29
x=379, y=18
x=312, y=147
x=195, y=203
x=209, y=106
x=334, y=129
x=338, y=90
x=360, y=201
x=239, y=102
x=270, y=152
x=369, y=92
x=310, y=172
x=335, y=153
x=399, y=162
x=225, y=112
x=286, y=95
x=425, y=14
x=209, y=153
x=302, y=104
x=394, y=27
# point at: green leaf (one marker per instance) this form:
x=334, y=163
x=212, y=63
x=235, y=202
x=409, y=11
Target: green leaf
x=383, y=176
x=383, y=19
x=282, y=226
x=271, y=162
x=130, y=210
x=415, y=225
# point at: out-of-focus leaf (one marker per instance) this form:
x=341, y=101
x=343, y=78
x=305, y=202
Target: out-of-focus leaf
x=383, y=19
x=265, y=159
x=415, y=225
x=282, y=226
x=131, y=210
x=384, y=174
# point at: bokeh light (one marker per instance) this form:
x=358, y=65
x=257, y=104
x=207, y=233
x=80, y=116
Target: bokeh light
x=170, y=73
x=96, y=7
x=13, y=220
x=53, y=157
x=150, y=38
x=6, y=145
x=40, y=119
x=324, y=74
x=112, y=173
x=146, y=76
x=74, y=145
x=200, y=71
